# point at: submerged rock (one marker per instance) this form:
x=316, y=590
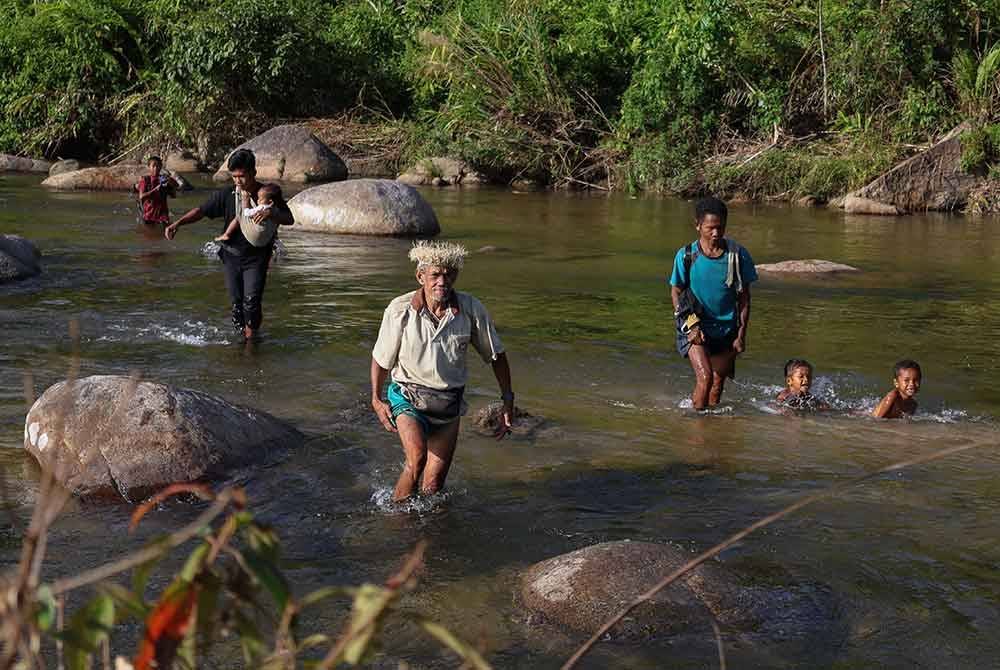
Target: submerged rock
x=10, y=163
x=107, y=434
x=932, y=180
x=364, y=207
x=488, y=419
x=583, y=589
x=19, y=258
x=291, y=153
x=808, y=266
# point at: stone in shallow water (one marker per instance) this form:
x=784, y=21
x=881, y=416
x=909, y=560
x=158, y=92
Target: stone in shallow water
x=807, y=266
x=108, y=434
x=19, y=258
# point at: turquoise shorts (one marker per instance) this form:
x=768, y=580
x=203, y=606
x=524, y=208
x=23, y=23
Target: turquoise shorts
x=400, y=405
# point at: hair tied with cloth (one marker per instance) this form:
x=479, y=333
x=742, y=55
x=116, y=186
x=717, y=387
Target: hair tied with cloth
x=441, y=254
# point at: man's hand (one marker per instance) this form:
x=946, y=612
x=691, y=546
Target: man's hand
x=695, y=336
x=384, y=414
x=740, y=344
x=170, y=231
x=506, y=420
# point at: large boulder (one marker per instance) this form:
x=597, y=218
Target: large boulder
x=19, y=258
x=291, y=153
x=854, y=204
x=10, y=163
x=364, y=207
x=121, y=177
x=931, y=180
x=809, y=266
x=583, y=589
x=182, y=161
x=107, y=434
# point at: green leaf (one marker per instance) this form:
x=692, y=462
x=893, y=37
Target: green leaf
x=250, y=639
x=370, y=604
x=140, y=577
x=87, y=628
x=45, y=612
x=194, y=562
x=326, y=592
x=448, y=639
x=208, y=603
x=128, y=601
x=268, y=574
x=318, y=640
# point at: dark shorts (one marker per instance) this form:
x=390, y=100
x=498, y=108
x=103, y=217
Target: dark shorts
x=715, y=345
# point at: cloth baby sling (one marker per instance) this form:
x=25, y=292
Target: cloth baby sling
x=259, y=235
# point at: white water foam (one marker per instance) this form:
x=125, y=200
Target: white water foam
x=421, y=504
x=190, y=333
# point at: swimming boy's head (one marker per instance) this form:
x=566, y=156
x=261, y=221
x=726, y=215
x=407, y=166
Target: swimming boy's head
x=155, y=164
x=268, y=193
x=798, y=375
x=710, y=216
x=907, y=377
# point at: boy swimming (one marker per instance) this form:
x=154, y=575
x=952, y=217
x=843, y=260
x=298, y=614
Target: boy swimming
x=900, y=401
x=265, y=198
x=798, y=380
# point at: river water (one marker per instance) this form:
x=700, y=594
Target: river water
x=576, y=285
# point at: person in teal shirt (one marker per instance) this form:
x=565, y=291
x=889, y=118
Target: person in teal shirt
x=710, y=291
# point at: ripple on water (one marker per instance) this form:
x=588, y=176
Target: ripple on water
x=189, y=333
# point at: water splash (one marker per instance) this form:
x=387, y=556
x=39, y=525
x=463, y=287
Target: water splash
x=420, y=505
x=190, y=333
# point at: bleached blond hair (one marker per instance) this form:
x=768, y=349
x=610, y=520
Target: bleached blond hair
x=443, y=254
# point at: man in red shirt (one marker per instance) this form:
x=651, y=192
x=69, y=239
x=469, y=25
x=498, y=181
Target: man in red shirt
x=154, y=188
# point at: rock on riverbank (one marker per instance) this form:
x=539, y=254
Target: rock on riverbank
x=291, y=153
x=106, y=434
x=10, y=163
x=364, y=207
x=19, y=258
x=439, y=171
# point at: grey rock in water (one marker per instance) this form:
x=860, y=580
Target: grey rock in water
x=854, y=204
x=9, y=163
x=932, y=180
x=364, y=207
x=19, y=258
x=810, y=266
x=441, y=171
x=291, y=153
x=65, y=165
x=107, y=434
x=182, y=161
x=584, y=588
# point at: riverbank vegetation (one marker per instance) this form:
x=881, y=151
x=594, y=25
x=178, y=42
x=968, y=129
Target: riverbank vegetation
x=759, y=98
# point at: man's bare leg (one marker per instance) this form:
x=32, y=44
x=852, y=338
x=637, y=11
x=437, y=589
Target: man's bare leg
x=702, y=366
x=440, y=450
x=411, y=435
x=722, y=367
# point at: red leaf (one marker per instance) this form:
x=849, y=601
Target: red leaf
x=166, y=627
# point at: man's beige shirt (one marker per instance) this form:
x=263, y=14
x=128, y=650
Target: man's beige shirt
x=420, y=351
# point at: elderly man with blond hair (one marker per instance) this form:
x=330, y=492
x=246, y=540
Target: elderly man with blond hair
x=423, y=341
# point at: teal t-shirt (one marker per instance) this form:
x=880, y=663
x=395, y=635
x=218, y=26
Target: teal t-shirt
x=708, y=283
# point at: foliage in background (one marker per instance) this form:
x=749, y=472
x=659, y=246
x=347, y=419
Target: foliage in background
x=619, y=93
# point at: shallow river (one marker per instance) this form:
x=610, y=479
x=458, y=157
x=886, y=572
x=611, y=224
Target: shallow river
x=576, y=285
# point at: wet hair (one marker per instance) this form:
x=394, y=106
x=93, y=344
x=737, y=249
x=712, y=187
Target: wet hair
x=157, y=159
x=795, y=363
x=710, y=205
x=273, y=191
x=242, y=159
x=906, y=364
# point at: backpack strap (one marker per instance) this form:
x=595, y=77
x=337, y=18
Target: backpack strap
x=689, y=255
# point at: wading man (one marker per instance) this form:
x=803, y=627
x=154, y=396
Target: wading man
x=247, y=253
x=710, y=290
x=423, y=341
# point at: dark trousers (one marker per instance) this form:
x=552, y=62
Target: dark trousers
x=245, y=279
